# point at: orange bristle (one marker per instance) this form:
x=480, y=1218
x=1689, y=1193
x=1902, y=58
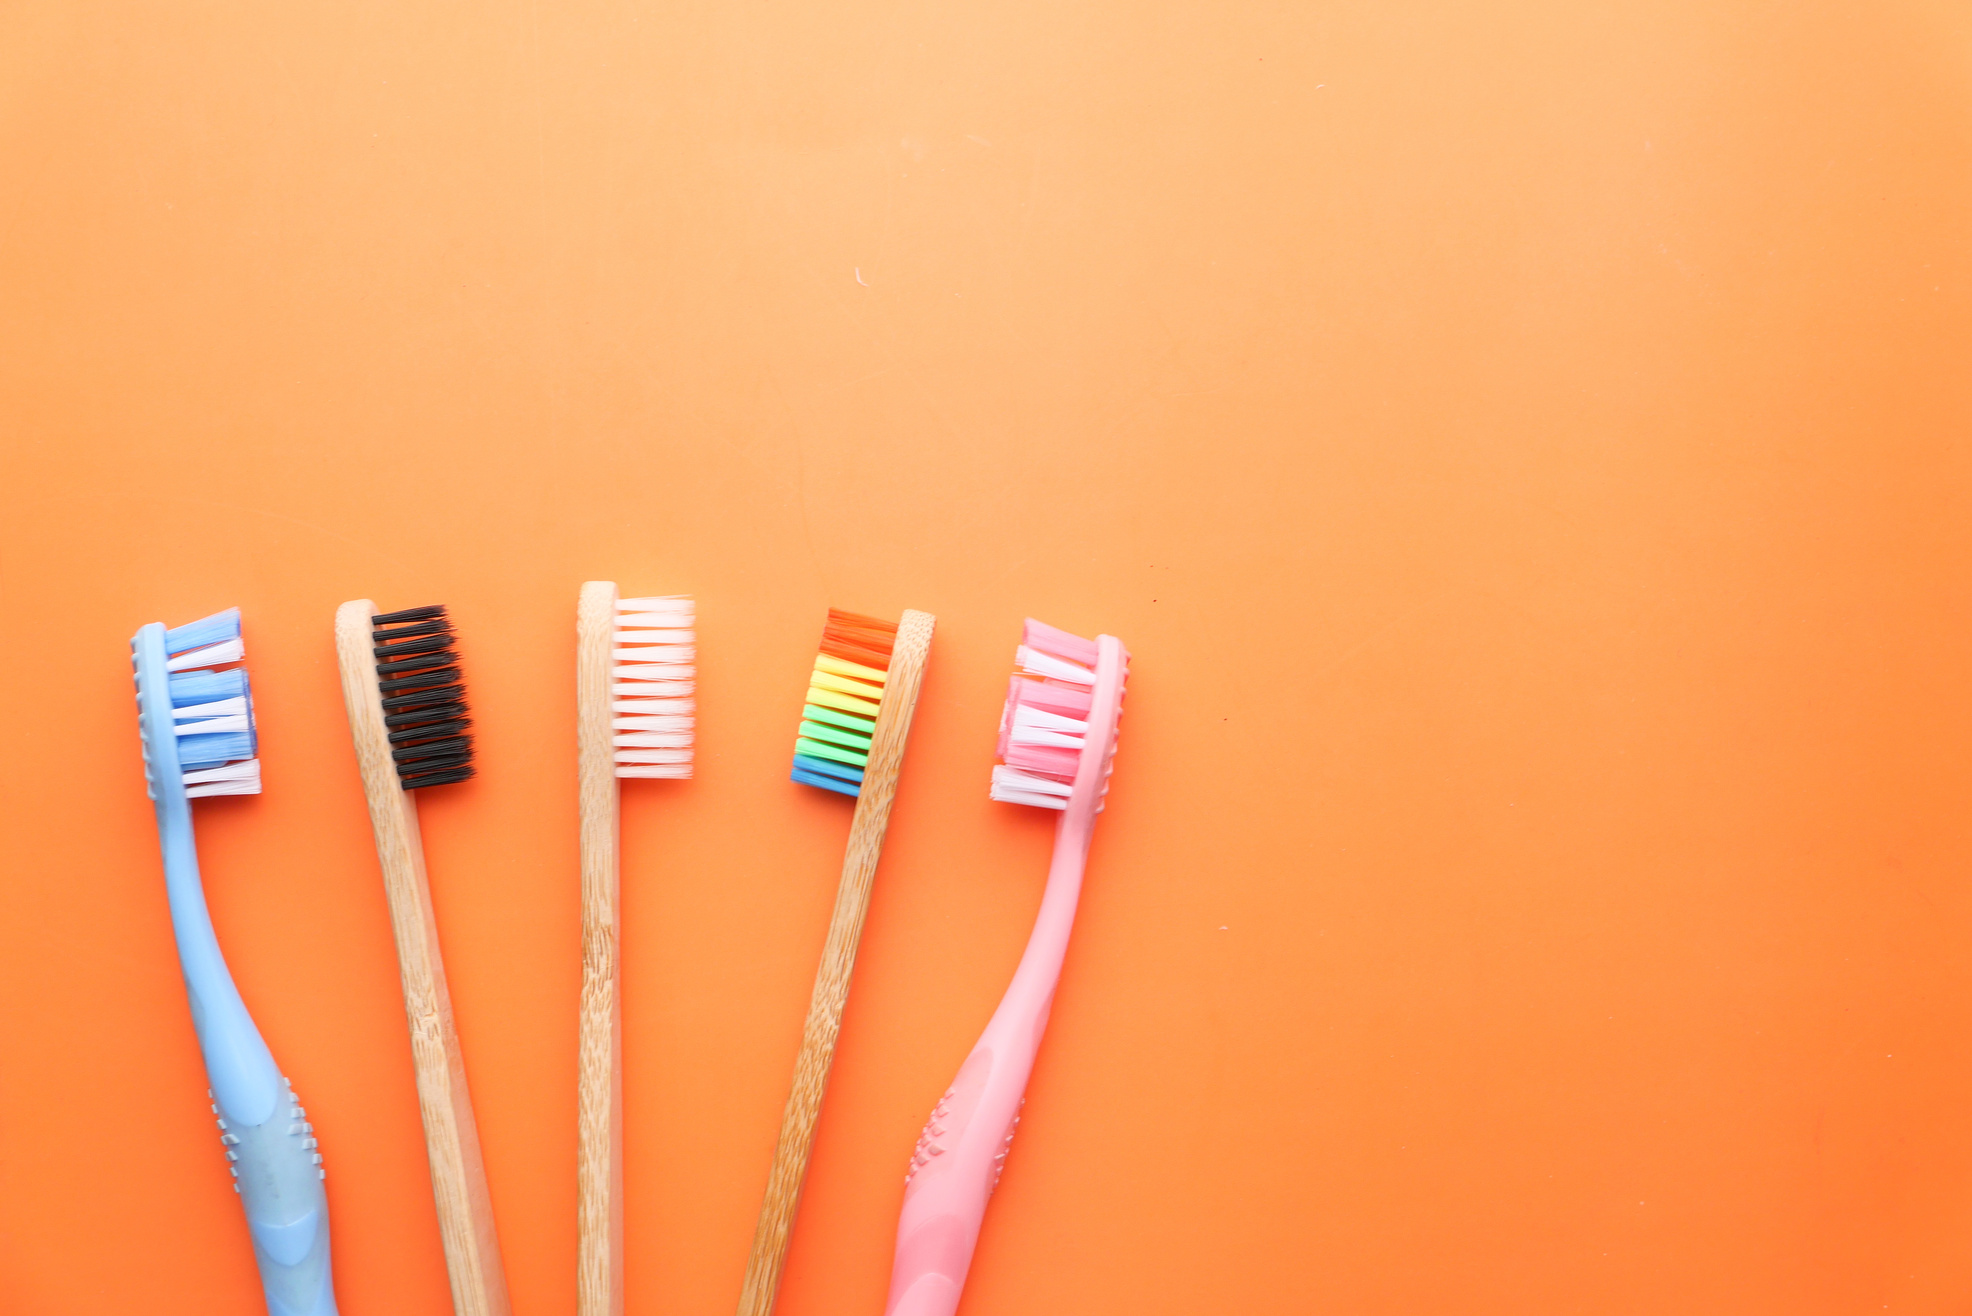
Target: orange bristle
x=858, y=639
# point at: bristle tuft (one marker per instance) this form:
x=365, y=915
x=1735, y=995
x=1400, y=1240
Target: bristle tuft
x=1036, y=635
x=653, y=684
x=220, y=626
x=867, y=641
x=211, y=711
x=845, y=691
x=233, y=779
x=424, y=703
x=1044, y=730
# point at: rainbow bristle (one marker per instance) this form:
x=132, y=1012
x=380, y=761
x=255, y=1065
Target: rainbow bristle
x=844, y=690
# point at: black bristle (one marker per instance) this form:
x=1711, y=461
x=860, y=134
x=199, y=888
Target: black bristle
x=440, y=778
x=408, y=614
x=411, y=735
x=452, y=747
x=436, y=627
x=422, y=697
x=417, y=681
x=423, y=701
x=448, y=711
x=398, y=652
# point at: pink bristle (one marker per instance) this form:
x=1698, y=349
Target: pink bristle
x=1040, y=635
x=1047, y=760
x=1056, y=697
x=1050, y=696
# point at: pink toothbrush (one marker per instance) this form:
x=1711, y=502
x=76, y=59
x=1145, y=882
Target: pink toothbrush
x=1057, y=737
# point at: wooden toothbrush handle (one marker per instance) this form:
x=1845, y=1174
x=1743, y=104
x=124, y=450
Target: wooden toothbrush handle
x=599, y=1074
x=458, y=1177
x=852, y=903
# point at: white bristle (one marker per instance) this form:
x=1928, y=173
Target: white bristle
x=238, y=778
x=654, y=722
x=1037, y=726
x=226, y=651
x=217, y=708
x=1036, y=663
x=652, y=682
x=657, y=707
x=646, y=688
x=1012, y=786
x=237, y=722
x=652, y=740
x=241, y=778
x=643, y=671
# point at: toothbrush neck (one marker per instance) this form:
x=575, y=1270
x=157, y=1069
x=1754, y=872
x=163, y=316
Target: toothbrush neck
x=1047, y=946
x=246, y=1083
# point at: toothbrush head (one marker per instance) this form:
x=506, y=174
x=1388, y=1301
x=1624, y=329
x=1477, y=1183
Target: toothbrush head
x=652, y=683
x=1058, y=733
x=424, y=703
x=844, y=691
x=196, y=721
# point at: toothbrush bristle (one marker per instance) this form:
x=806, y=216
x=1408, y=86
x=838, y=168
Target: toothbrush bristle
x=653, y=684
x=424, y=702
x=212, y=710
x=845, y=690
x=1044, y=728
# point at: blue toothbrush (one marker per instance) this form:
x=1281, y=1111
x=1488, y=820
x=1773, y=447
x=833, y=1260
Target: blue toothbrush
x=197, y=728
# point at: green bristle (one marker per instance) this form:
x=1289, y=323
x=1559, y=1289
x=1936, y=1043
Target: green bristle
x=837, y=718
x=816, y=749
x=847, y=739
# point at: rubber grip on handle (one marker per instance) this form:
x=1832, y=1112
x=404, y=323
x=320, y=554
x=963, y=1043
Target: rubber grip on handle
x=278, y=1173
x=956, y=1166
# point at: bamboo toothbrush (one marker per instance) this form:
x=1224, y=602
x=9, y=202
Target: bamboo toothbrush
x=634, y=710
x=197, y=729
x=1057, y=738
x=407, y=716
x=861, y=695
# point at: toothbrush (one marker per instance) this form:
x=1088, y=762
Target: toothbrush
x=1057, y=737
x=407, y=716
x=197, y=728
x=634, y=709
x=861, y=695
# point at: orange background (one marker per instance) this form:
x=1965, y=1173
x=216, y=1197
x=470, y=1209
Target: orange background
x=1524, y=445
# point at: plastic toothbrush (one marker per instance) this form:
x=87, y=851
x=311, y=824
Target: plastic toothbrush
x=197, y=728
x=1057, y=738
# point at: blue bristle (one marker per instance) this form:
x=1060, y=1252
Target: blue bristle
x=203, y=687
x=207, y=630
x=826, y=783
x=211, y=750
x=827, y=767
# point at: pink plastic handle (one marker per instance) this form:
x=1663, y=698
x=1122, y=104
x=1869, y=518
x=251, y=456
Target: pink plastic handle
x=964, y=1145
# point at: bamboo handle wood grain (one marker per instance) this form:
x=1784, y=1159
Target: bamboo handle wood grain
x=458, y=1176
x=852, y=903
x=599, y=1076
